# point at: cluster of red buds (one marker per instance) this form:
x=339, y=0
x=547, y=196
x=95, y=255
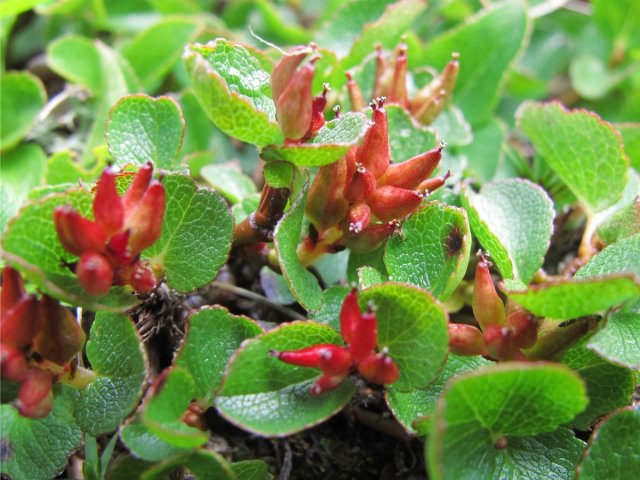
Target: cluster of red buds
x=391, y=81
x=363, y=195
x=502, y=335
x=109, y=247
x=33, y=334
x=299, y=115
x=360, y=334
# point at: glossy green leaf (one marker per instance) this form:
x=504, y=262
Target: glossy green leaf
x=513, y=220
x=279, y=174
x=452, y=128
x=621, y=257
x=251, y=470
x=118, y=358
x=38, y=449
x=583, y=150
x=329, y=313
x=204, y=464
x=271, y=398
x=374, y=259
x=608, y=386
x=127, y=467
x=631, y=137
x=234, y=91
x=622, y=219
x=144, y=444
x=567, y=299
x=619, y=340
x=614, y=448
x=143, y=129
x=368, y=276
x=63, y=167
x=414, y=408
x=303, y=284
x=503, y=29
x=413, y=326
x=230, y=183
x=196, y=235
x=333, y=141
x=245, y=208
x=485, y=152
x=63, y=55
x=407, y=138
x=23, y=96
x=31, y=244
x=513, y=402
x=433, y=251
x=213, y=335
x=155, y=51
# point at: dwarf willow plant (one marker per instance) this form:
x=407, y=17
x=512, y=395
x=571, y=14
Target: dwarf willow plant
x=383, y=167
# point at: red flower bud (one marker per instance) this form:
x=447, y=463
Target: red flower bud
x=13, y=364
x=285, y=69
x=398, y=90
x=487, y=304
x=383, y=74
x=19, y=323
x=318, y=105
x=370, y=238
x=355, y=94
x=388, y=203
x=76, y=233
x=95, y=274
x=142, y=278
x=466, y=340
x=525, y=328
x=497, y=339
x=138, y=188
x=326, y=205
x=12, y=288
x=118, y=248
x=35, y=397
x=108, y=209
x=362, y=184
x=146, y=222
x=327, y=383
x=331, y=359
x=358, y=218
x=60, y=336
x=365, y=336
x=374, y=152
x=350, y=316
x=379, y=368
x=432, y=184
x=410, y=173
x=294, y=105
x=428, y=102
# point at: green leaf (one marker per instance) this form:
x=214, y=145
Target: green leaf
x=503, y=29
x=513, y=220
x=31, y=245
x=329, y=313
x=203, y=464
x=614, y=448
x=63, y=57
x=407, y=138
x=590, y=77
x=245, y=208
x=332, y=141
x=608, y=386
x=230, y=183
x=145, y=444
x=631, y=137
x=263, y=395
x=196, y=235
x=621, y=220
x=118, y=358
x=485, y=152
x=619, y=340
x=583, y=150
x=414, y=408
x=413, y=326
x=621, y=257
x=452, y=127
x=368, y=276
x=373, y=259
x=251, y=470
x=511, y=401
x=127, y=467
x=234, y=91
x=279, y=174
x=303, y=284
x=23, y=96
x=143, y=129
x=155, y=51
x=212, y=336
x=433, y=251
x=38, y=448
x=567, y=299
x=62, y=167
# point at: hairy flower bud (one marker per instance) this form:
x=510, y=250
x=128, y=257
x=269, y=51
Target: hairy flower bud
x=13, y=364
x=374, y=153
x=138, y=188
x=355, y=94
x=388, y=203
x=326, y=205
x=294, y=105
x=108, y=209
x=145, y=223
x=60, y=336
x=12, y=288
x=365, y=336
x=94, y=273
x=20, y=322
x=379, y=368
x=487, y=304
x=358, y=218
x=327, y=383
x=525, y=328
x=142, y=278
x=398, y=90
x=285, y=69
x=411, y=173
x=76, y=233
x=350, y=316
x=432, y=184
x=362, y=184
x=329, y=358
x=318, y=105
x=466, y=340
x=35, y=397
x=431, y=99
x=370, y=238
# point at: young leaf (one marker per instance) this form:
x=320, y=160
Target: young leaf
x=332, y=141
x=407, y=138
x=203, y=464
x=621, y=257
x=230, y=183
x=63, y=55
x=619, y=340
x=513, y=220
x=23, y=96
x=213, y=335
x=233, y=89
x=583, y=150
x=413, y=326
x=272, y=398
x=119, y=360
x=39, y=448
x=485, y=423
x=503, y=29
x=196, y=234
x=143, y=129
x=614, y=448
x=433, y=252
x=145, y=444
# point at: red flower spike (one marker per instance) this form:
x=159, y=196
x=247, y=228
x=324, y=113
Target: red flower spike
x=398, y=90
x=95, y=274
x=142, y=278
x=118, y=248
x=350, y=316
x=365, y=336
x=358, y=218
x=60, y=336
x=35, y=397
x=411, y=173
x=137, y=189
x=13, y=364
x=326, y=205
x=379, y=368
x=19, y=323
x=318, y=105
x=294, y=106
x=432, y=184
x=362, y=184
x=331, y=359
x=146, y=222
x=285, y=69
x=525, y=328
x=429, y=101
x=466, y=340
x=12, y=288
x=374, y=152
x=390, y=202
x=327, y=383
x=487, y=304
x=355, y=94
x=76, y=233
x=108, y=209
x=370, y=238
